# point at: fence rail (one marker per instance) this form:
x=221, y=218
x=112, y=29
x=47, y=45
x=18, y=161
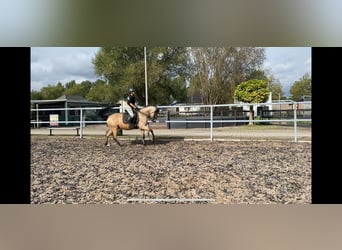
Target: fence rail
x=189, y=115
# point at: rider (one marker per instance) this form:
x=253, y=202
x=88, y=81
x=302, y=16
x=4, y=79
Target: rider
x=132, y=106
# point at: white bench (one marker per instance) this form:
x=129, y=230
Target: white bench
x=63, y=128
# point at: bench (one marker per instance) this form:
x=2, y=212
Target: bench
x=63, y=128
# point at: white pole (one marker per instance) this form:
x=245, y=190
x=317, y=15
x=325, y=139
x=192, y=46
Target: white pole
x=211, y=122
x=279, y=105
x=81, y=123
x=37, y=117
x=295, y=121
x=146, y=95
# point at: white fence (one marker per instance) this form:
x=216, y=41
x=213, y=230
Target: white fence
x=296, y=112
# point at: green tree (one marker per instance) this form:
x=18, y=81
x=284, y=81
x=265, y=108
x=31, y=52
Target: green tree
x=70, y=85
x=178, y=91
x=300, y=88
x=258, y=74
x=101, y=92
x=252, y=91
x=36, y=95
x=81, y=89
x=52, y=92
x=124, y=67
x=167, y=74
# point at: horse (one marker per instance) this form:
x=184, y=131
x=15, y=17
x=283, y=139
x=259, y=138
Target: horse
x=116, y=121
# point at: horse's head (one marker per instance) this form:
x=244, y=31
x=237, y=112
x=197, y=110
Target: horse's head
x=154, y=114
x=151, y=112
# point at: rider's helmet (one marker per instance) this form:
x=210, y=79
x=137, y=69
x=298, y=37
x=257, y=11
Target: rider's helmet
x=131, y=90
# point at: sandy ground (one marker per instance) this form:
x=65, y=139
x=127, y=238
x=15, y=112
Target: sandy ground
x=66, y=169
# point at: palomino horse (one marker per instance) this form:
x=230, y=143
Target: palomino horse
x=116, y=121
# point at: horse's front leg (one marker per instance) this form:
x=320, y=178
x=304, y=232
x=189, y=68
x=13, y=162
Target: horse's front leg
x=143, y=136
x=148, y=131
x=153, y=137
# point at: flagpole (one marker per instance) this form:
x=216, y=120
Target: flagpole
x=146, y=95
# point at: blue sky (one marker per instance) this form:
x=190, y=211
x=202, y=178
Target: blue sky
x=50, y=65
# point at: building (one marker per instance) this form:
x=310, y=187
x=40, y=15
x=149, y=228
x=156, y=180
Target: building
x=65, y=117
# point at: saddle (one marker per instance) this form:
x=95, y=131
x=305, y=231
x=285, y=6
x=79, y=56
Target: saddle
x=127, y=119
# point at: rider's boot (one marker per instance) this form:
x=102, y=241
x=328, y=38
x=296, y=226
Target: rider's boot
x=131, y=122
x=136, y=121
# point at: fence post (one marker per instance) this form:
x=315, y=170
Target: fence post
x=295, y=121
x=81, y=123
x=168, y=119
x=37, y=116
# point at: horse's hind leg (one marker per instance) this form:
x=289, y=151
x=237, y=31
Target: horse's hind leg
x=115, y=134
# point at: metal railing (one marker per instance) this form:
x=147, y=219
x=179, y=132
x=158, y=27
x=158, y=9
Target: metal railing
x=190, y=114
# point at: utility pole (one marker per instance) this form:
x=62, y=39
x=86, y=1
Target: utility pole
x=146, y=94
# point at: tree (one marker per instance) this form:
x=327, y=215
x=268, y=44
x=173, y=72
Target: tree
x=276, y=88
x=81, y=89
x=301, y=88
x=216, y=71
x=36, y=95
x=102, y=92
x=252, y=91
x=52, y=92
x=124, y=67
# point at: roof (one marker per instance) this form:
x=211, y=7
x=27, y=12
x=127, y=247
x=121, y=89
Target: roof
x=71, y=98
x=67, y=98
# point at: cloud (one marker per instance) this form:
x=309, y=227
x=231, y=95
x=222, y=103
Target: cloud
x=282, y=67
x=288, y=64
x=52, y=65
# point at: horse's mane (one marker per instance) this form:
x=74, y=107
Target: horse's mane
x=149, y=107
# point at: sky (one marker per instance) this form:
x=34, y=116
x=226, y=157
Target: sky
x=50, y=65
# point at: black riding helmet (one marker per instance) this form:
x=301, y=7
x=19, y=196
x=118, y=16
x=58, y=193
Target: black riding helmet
x=131, y=90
